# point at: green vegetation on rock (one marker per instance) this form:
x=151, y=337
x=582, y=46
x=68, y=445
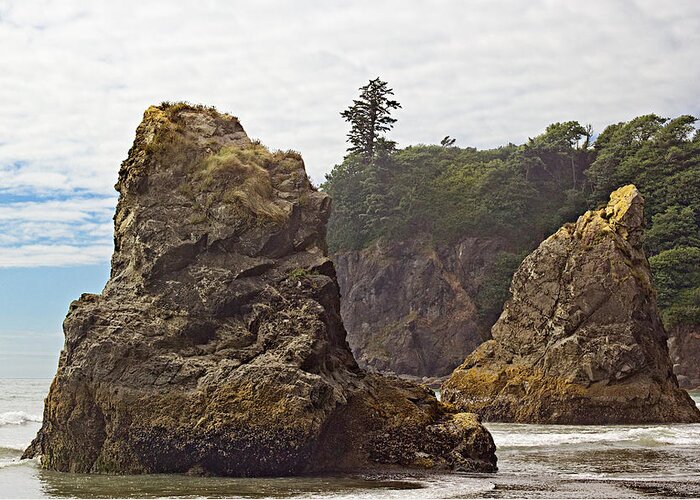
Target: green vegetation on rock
x=677, y=279
x=253, y=191
x=524, y=193
x=494, y=290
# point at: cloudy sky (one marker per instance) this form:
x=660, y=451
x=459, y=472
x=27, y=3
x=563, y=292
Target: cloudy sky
x=75, y=77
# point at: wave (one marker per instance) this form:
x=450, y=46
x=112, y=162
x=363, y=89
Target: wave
x=415, y=488
x=14, y=462
x=12, y=447
x=17, y=418
x=526, y=436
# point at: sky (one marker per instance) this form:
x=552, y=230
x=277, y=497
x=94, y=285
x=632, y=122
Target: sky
x=76, y=76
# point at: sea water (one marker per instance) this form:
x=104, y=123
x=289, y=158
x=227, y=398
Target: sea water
x=535, y=461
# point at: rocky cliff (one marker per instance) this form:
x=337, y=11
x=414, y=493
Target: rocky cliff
x=580, y=339
x=410, y=306
x=217, y=345
x=684, y=347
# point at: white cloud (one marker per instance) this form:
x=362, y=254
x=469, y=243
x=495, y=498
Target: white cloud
x=71, y=210
x=56, y=232
x=77, y=75
x=53, y=255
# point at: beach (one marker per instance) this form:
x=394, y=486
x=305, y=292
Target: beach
x=535, y=461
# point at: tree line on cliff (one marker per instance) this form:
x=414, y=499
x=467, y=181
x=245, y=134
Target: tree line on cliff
x=522, y=193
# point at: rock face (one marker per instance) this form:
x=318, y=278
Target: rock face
x=580, y=340
x=684, y=347
x=217, y=345
x=409, y=306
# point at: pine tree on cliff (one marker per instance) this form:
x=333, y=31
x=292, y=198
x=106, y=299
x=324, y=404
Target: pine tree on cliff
x=369, y=117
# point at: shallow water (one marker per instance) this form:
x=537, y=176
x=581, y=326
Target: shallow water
x=537, y=461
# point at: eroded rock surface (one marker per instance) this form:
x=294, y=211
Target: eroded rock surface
x=409, y=306
x=580, y=340
x=217, y=346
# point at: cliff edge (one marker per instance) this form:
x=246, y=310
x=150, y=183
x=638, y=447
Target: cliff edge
x=410, y=306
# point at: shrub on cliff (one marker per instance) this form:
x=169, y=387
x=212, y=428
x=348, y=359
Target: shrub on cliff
x=524, y=193
x=677, y=279
x=662, y=157
x=519, y=194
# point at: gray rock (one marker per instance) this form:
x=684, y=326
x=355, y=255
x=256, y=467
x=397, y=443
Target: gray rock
x=684, y=347
x=217, y=345
x=409, y=306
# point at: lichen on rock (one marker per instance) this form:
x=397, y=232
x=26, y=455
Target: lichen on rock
x=217, y=345
x=580, y=340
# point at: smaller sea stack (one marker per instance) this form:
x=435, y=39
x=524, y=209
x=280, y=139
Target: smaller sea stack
x=580, y=340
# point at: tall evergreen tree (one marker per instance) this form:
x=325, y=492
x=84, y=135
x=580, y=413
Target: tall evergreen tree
x=369, y=117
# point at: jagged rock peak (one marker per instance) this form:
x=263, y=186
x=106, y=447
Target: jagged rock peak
x=195, y=166
x=217, y=345
x=626, y=208
x=624, y=214
x=580, y=340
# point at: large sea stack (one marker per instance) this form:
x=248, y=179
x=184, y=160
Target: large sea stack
x=217, y=346
x=580, y=340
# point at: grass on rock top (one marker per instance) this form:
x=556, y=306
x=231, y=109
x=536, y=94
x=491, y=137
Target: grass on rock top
x=248, y=183
x=239, y=176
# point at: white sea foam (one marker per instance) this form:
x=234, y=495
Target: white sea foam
x=438, y=487
x=524, y=436
x=17, y=418
x=14, y=461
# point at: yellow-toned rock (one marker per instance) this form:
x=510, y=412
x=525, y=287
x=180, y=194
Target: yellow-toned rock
x=580, y=340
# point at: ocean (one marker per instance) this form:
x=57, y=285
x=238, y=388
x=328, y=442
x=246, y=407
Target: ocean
x=535, y=461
